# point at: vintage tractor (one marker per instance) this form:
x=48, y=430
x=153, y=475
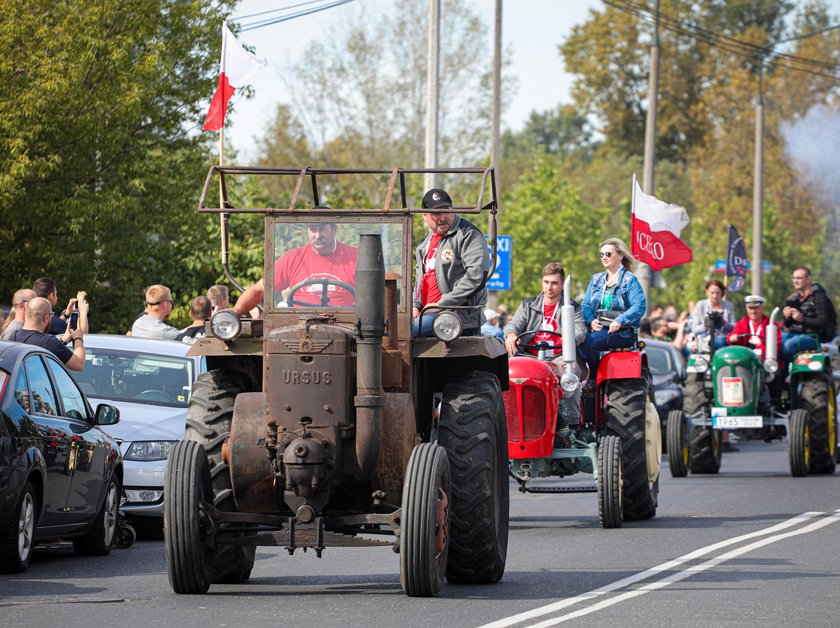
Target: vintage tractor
x=324, y=424
x=618, y=439
x=731, y=389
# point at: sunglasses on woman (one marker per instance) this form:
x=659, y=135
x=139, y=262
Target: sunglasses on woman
x=605, y=254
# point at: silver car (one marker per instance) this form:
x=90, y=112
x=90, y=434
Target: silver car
x=150, y=382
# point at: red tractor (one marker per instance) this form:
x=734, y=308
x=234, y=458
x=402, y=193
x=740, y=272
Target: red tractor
x=617, y=439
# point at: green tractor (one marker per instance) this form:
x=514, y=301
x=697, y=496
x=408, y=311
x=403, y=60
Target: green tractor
x=731, y=389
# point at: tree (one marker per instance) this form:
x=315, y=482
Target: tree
x=100, y=161
x=548, y=222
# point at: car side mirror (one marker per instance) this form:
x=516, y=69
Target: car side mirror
x=107, y=415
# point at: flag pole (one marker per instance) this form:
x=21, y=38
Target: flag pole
x=224, y=217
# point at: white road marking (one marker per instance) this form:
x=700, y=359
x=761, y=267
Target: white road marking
x=687, y=573
x=644, y=575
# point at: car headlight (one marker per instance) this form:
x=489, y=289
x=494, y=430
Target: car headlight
x=148, y=450
x=225, y=325
x=447, y=326
x=569, y=382
x=664, y=397
x=771, y=365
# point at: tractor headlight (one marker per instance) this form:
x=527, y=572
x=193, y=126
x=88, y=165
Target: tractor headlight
x=225, y=325
x=771, y=365
x=569, y=382
x=698, y=365
x=447, y=326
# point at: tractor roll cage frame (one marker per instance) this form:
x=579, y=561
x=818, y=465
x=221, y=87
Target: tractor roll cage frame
x=397, y=179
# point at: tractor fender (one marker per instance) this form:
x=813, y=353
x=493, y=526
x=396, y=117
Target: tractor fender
x=620, y=365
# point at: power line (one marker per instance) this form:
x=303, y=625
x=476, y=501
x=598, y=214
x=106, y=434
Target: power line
x=729, y=44
x=277, y=10
x=271, y=21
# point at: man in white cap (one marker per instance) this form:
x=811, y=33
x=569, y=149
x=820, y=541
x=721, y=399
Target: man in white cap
x=491, y=327
x=751, y=331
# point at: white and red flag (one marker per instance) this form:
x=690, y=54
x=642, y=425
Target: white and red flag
x=656, y=228
x=237, y=66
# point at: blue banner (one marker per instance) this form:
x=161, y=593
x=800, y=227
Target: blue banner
x=736, y=260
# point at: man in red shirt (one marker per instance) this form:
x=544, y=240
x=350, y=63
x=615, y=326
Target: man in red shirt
x=751, y=331
x=325, y=262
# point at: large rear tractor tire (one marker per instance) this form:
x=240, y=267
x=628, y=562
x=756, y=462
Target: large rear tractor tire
x=208, y=423
x=627, y=410
x=799, y=444
x=424, y=525
x=473, y=430
x=189, y=556
x=677, y=447
x=610, y=513
x=818, y=401
x=694, y=394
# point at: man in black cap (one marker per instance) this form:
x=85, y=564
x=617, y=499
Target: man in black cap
x=451, y=264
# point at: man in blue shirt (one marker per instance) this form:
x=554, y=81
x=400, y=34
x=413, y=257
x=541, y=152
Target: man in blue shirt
x=38, y=316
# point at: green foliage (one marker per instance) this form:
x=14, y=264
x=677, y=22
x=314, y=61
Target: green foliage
x=100, y=162
x=549, y=223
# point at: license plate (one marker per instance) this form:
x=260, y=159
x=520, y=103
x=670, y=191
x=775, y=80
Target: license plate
x=736, y=422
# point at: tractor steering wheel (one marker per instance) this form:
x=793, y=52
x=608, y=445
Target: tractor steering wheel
x=325, y=297
x=542, y=344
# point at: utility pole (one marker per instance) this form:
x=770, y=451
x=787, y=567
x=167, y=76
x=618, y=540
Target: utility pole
x=492, y=296
x=758, y=186
x=756, y=278
x=643, y=271
x=432, y=92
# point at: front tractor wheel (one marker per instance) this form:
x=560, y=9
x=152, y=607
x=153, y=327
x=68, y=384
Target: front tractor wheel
x=799, y=444
x=189, y=556
x=208, y=423
x=677, y=447
x=705, y=450
x=424, y=526
x=473, y=430
x=610, y=480
x=628, y=418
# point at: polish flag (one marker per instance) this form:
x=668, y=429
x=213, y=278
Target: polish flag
x=656, y=228
x=237, y=66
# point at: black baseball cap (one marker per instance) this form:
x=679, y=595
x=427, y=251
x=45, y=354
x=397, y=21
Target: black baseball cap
x=436, y=199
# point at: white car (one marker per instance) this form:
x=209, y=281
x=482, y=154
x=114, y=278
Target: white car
x=150, y=382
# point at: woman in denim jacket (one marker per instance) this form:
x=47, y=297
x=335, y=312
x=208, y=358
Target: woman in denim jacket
x=614, y=289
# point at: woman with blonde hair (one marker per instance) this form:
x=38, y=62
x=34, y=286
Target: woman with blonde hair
x=614, y=303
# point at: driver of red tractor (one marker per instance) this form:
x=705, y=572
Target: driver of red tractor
x=324, y=258
x=542, y=312
x=751, y=331
x=451, y=265
x=614, y=302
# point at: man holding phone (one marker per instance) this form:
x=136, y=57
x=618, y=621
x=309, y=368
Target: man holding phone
x=46, y=288
x=38, y=316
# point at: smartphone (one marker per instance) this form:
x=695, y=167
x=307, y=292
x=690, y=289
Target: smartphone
x=74, y=320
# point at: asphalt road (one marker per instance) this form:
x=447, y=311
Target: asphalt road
x=750, y=546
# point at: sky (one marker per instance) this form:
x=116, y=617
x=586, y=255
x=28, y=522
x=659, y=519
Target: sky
x=531, y=32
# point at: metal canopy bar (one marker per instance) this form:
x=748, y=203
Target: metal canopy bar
x=396, y=178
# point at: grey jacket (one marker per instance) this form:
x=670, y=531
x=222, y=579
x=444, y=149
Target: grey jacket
x=697, y=320
x=463, y=262
x=529, y=317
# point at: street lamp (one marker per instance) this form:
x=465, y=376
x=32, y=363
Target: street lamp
x=758, y=172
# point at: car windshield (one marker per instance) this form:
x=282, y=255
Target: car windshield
x=315, y=262
x=120, y=375
x=659, y=360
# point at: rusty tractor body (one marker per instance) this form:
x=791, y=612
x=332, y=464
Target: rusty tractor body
x=324, y=423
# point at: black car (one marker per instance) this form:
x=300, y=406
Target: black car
x=668, y=369
x=60, y=475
